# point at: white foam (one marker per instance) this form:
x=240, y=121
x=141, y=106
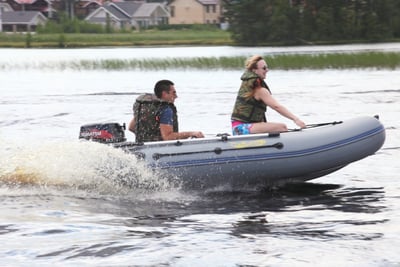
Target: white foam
x=81, y=165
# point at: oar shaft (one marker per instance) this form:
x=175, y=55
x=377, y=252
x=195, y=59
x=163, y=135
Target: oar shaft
x=323, y=124
x=315, y=125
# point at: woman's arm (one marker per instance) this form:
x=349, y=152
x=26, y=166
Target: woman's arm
x=264, y=95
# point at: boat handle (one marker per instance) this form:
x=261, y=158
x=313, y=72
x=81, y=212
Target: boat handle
x=216, y=150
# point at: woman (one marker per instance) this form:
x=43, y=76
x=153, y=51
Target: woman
x=248, y=116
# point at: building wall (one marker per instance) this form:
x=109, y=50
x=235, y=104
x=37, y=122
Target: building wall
x=186, y=12
x=212, y=14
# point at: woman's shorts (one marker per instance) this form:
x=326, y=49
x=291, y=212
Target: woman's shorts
x=241, y=129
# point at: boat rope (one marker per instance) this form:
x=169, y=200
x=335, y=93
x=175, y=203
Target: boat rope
x=216, y=150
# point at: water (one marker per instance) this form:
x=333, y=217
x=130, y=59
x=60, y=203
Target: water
x=62, y=206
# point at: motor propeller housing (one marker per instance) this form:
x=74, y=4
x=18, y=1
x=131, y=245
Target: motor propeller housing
x=103, y=132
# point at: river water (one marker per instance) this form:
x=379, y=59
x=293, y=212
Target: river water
x=61, y=206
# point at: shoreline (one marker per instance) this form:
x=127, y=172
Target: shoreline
x=355, y=60
x=152, y=38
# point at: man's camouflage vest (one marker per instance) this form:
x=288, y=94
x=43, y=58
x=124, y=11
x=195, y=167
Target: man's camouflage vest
x=147, y=110
x=249, y=109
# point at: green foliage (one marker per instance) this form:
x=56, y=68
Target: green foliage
x=62, y=41
x=256, y=22
x=375, y=60
x=128, y=38
x=199, y=27
x=67, y=25
x=28, y=40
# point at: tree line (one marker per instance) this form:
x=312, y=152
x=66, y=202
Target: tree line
x=256, y=22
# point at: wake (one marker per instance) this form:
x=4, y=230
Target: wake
x=81, y=165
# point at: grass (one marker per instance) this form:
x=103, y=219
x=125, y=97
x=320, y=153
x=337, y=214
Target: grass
x=145, y=38
x=215, y=37
x=378, y=60
x=309, y=61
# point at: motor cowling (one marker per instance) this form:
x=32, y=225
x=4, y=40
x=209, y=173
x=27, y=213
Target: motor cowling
x=103, y=132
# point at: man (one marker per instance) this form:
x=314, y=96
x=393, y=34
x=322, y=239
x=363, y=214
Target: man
x=155, y=116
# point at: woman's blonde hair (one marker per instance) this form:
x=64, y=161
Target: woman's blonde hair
x=251, y=63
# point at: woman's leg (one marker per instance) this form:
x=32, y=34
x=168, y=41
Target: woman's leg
x=268, y=127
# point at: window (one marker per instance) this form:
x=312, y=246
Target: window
x=211, y=8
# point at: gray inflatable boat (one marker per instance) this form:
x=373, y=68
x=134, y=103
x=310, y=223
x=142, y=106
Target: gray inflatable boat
x=262, y=160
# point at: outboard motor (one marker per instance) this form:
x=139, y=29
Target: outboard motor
x=103, y=132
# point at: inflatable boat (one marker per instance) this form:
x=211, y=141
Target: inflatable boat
x=257, y=160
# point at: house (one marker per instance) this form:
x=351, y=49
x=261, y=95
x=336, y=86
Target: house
x=150, y=14
x=53, y=8
x=21, y=21
x=84, y=8
x=44, y=6
x=28, y=5
x=127, y=15
x=112, y=14
x=4, y=7
x=195, y=12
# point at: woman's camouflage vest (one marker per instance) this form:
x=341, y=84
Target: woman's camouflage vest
x=249, y=109
x=147, y=110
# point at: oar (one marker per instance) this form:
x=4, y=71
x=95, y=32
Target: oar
x=323, y=124
x=315, y=125
x=216, y=150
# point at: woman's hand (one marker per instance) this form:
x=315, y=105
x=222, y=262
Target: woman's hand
x=299, y=123
x=197, y=135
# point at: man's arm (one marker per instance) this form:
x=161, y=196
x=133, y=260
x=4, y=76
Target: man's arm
x=167, y=133
x=167, y=129
x=131, y=126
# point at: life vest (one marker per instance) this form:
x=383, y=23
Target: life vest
x=146, y=111
x=249, y=109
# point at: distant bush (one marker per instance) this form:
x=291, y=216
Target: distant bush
x=28, y=40
x=199, y=27
x=49, y=27
x=67, y=25
x=71, y=26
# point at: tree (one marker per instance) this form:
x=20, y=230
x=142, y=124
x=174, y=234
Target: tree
x=247, y=20
x=254, y=22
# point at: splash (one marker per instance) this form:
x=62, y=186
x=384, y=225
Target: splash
x=84, y=165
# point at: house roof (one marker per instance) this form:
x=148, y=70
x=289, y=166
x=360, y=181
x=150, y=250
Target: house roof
x=85, y=4
x=209, y=2
x=129, y=10
x=128, y=7
x=21, y=17
x=21, y=2
x=5, y=7
x=116, y=12
x=147, y=9
x=206, y=2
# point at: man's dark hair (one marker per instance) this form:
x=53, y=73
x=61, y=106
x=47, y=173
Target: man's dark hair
x=162, y=86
